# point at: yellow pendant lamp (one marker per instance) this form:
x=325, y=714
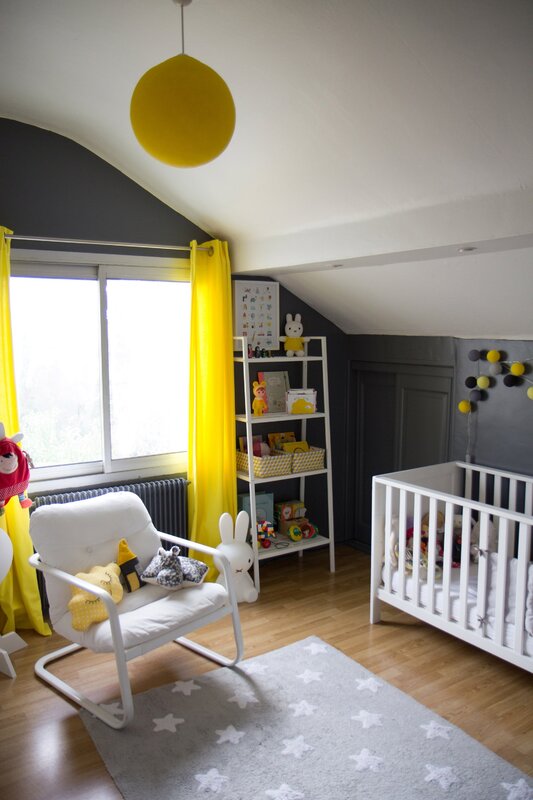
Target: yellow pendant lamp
x=181, y=111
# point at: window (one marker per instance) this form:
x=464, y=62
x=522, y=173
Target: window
x=101, y=367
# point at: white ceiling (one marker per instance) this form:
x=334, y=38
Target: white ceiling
x=381, y=135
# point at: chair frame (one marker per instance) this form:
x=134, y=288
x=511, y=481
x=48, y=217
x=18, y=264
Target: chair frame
x=123, y=654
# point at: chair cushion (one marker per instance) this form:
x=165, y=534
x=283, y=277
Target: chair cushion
x=147, y=614
x=76, y=536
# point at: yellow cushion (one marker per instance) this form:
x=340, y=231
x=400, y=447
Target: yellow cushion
x=87, y=608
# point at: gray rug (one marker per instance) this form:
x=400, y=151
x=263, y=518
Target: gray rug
x=304, y=722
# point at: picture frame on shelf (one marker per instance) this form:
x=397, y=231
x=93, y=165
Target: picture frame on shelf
x=277, y=386
x=256, y=313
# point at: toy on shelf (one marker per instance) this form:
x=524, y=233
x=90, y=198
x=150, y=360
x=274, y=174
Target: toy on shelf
x=14, y=470
x=265, y=534
x=239, y=554
x=259, y=404
x=293, y=341
x=292, y=522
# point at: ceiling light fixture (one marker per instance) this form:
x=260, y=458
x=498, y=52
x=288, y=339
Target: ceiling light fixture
x=181, y=111
x=467, y=249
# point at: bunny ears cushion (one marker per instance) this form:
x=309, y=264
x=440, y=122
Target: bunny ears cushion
x=167, y=568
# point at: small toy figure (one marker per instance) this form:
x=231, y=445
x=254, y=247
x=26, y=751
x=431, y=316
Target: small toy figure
x=14, y=470
x=127, y=562
x=293, y=340
x=259, y=405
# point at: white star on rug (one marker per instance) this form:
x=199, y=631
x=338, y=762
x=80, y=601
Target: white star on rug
x=444, y=776
x=308, y=676
x=167, y=723
x=434, y=729
x=284, y=793
x=295, y=747
x=211, y=780
x=518, y=791
x=113, y=708
x=366, y=760
x=242, y=697
x=316, y=647
x=185, y=687
x=256, y=668
x=367, y=718
x=303, y=708
x=368, y=683
x=230, y=734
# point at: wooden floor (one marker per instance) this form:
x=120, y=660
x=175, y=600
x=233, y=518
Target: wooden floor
x=46, y=753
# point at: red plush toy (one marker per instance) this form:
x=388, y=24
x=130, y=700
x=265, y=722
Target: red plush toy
x=14, y=470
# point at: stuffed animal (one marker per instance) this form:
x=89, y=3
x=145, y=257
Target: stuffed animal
x=239, y=554
x=14, y=470
x=259, y=405
x=86, y=607
x=127, y=562
x=293, y=341
x=172, y=571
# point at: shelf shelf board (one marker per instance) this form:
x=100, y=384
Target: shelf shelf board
x=265, y=418
x=292, y=547
x=243, y=476
x=289, y=359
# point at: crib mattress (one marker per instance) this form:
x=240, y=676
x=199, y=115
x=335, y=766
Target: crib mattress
x=472, y=613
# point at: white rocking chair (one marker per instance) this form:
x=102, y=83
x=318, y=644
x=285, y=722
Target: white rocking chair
x=74, y=537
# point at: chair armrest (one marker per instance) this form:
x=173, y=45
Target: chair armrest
x=210, y=551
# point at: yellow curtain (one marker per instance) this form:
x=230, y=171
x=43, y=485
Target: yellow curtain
x=212, y=468
x=19, y=595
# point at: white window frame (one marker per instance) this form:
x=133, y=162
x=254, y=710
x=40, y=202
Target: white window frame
x=101, y=267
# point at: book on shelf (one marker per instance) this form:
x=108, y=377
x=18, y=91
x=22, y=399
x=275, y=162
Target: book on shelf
x=277, y=385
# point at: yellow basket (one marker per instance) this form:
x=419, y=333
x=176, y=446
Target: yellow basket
x=308, y=461
x=266, y=466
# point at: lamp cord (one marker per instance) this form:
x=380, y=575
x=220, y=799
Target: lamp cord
x=182, y=33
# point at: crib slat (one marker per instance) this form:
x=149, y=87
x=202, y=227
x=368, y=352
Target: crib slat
x=501, y=580
x=528, y=499
x=432, y=553
x=483, y=566
x=388, y=532
x=402, y=531
x=417, y=525
x=465, y=567
x=524, y=550
x=482, y=487
x=447, y=566
x=468, y=484
x=512, y=494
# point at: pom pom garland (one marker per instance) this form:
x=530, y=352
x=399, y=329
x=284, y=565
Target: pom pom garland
x=474, y=355
x=493, y=356
x=483, y=382
x=470, y=382
x=514, y=374
x=517, y=368
x=465, y=406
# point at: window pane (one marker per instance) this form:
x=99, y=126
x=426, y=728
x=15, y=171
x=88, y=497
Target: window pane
x=56, y=342
x=148, y=329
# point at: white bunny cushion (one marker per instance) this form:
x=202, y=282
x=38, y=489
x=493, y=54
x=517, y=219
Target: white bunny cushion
x=239, y=554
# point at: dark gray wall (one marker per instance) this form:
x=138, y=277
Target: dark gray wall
x=50, y=186
x=502, y=425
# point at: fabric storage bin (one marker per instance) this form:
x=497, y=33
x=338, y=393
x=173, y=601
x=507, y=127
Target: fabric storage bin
x=266, y=466
x=308, y=461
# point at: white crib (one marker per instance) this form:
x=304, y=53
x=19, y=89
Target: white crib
x=451, y=545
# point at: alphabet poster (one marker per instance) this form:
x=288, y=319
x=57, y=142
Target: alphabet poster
x=256, y=312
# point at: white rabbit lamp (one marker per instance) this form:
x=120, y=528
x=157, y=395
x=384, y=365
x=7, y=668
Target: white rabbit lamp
x=239, y=554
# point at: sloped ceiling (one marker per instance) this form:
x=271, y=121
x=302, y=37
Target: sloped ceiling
x=374, y=139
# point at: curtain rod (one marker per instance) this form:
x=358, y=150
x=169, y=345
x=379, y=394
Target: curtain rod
x=18, y=238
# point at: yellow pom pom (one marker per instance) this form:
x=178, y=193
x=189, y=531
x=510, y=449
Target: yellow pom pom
x=483, y=382
x=530, y=392
x=493, y=356
x=465, y=406
x=517, y=368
